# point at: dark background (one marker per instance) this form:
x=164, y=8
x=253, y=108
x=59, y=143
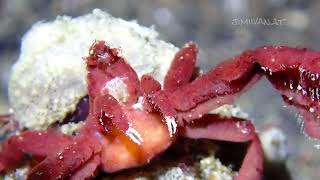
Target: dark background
x=209, y=23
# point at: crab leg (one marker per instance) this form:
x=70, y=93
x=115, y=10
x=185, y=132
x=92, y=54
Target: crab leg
x=88, y=170
x=311, y=123
x=214, y=127
x=149, y=85
x=107, y=70
x=63, y=164
x=111, y=81
x=38, y=144
x=293, y=72
x=109, y=113
x=252, y=165
x=179, y=75
x=228, y=78
x=182, y=67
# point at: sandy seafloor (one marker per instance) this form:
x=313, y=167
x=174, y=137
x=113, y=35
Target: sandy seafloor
x=211, y=25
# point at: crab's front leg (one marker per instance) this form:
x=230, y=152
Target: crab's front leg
x=78, y=159
x=37, y=144
x=179, y=75
x=115, y=119
x=182, y=68
x=57, y=155
x=293, y=72
x=215, y=127
x=111, y=81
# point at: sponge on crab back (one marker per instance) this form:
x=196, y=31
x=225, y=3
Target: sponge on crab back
x=49, y=78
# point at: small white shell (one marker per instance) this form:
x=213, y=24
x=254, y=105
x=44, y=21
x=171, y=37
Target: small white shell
x=49, y=77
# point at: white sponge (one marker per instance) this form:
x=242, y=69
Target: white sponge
x=49, y=77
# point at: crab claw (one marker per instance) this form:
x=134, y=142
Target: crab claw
x=109, y=113
x=111, y=81
x=214, y=127
x=111, y=74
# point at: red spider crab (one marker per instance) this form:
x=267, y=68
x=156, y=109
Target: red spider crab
x=118, y=135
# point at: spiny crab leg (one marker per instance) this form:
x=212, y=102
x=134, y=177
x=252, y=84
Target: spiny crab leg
x=209, y=126
x=149, y=85
x=36, y=144
x=63, y=164
x=181, y=68
x=109, y=113
x=233, y=129
x=293, y=72
x=252, y=165
x=215, y=88
x=178, y=76
x=88, y=169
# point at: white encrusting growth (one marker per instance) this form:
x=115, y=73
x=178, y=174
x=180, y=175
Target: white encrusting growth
x=70, y=128
x=228, y=110
x=171, y=124
x=212, y=168
x=176, y=173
